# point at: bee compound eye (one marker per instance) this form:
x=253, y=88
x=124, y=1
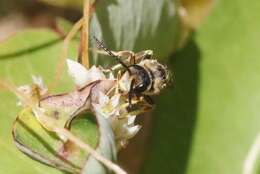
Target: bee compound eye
x=162, y=72
x=147, y=56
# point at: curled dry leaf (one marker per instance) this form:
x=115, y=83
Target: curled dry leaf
x=33, y=139
x=38, y=143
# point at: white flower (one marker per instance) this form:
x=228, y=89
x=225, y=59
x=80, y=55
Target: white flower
x=107, y=107
x=123, y=127
x=29, y=91
x=81, y=75
x=37, y=80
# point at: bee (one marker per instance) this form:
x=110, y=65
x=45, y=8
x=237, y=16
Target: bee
x=143, y=75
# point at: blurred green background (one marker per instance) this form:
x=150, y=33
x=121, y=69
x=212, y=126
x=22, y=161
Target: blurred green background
x=205, y=123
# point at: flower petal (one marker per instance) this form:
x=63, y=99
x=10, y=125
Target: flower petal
x=132, y=131
x=131, y=119
x=115, y=100
x=95, y=73
x=39, y=82
x=102, y=99
x=78, y=72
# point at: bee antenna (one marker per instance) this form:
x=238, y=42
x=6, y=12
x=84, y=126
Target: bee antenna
x=101, y=45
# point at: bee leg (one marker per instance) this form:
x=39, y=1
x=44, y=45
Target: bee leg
x=130, y=96
x=148, y=99
x=133, y=58
x=105, y=70
x=128, y=55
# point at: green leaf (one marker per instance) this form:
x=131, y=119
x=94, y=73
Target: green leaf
x=34, y=50
x=29, y=52
x=134, y=25
x=138, y=25
x=213, y=113
x=122, y=24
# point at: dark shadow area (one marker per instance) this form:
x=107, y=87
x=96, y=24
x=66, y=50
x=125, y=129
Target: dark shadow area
x=174, y=118
x=132, y=157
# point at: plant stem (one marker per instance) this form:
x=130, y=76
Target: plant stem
x=64, y=53
x=85, y=35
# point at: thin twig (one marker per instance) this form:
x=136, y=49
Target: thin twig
x=88, y=11
x=109, y=164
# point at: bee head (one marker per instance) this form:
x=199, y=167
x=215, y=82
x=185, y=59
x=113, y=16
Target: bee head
x=161, y=75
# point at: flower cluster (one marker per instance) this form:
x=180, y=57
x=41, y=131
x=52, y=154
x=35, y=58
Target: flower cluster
x=35, y=91
x=121, y=121
x=112, y=107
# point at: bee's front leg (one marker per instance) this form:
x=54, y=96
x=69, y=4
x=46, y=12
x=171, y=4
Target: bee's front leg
x=128, y=57
x=148, y=99
x=131, y=95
